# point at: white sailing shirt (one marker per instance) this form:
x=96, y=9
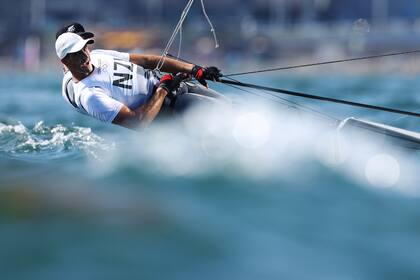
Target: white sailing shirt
x=114, y=82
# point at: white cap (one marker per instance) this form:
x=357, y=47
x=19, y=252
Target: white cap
x=69, y=43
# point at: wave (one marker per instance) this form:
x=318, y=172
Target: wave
x=257, y=144
x=42, y=142
x=261, y=145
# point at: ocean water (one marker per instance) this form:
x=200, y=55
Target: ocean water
x=254, y=192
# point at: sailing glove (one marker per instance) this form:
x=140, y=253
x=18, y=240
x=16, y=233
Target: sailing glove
x=171, y=83
x=201, y=74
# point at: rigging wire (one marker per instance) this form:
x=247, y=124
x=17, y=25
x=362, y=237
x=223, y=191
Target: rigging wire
x=267, y=90
x=275, y=97
x=212, y=30
x=178, y=30
x=321, y=63
x=286, y=102
x=231, y=82
x=174, y=34
x=180, y=43
x=302, y=108
x=322, y=98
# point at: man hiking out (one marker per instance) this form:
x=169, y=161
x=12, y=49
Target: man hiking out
x=121, y=88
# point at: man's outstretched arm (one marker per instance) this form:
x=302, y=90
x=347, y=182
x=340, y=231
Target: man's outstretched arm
x=201, y=74
x=170, y=65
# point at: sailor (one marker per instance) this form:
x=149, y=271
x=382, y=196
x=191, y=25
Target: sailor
x=122, y=88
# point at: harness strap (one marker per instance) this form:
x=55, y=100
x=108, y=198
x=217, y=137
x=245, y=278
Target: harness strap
x=69, y=91
x=71, y=100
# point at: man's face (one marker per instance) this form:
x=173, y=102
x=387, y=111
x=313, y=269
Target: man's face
x=79, y=61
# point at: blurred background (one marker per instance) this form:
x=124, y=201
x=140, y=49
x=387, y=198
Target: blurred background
x=259, y=192
x=260, y=31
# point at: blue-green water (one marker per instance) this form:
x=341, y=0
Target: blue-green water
x=245, y=195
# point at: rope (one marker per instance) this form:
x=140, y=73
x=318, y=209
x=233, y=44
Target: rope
x=178, y=30
x=180, y=43
x=286, y=102
x=321, y=63
x=328, y=99
x=174, y=34
x=213, y=31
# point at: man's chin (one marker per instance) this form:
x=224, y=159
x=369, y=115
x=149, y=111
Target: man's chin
x=85, y=70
